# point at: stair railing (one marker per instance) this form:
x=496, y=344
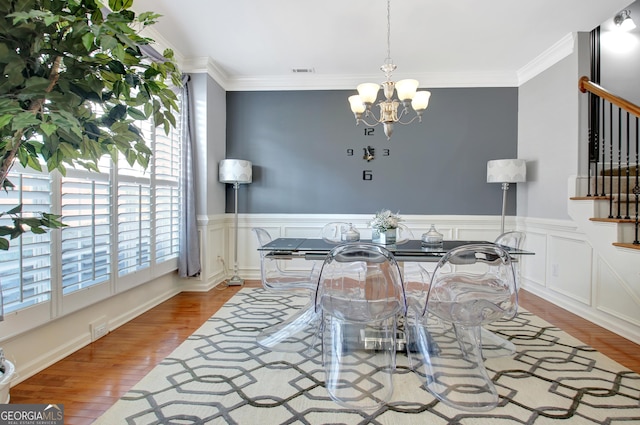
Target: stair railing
x=613, y=150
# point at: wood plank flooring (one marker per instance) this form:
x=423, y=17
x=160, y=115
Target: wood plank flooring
x=89, y=381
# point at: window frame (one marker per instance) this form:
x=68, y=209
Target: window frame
x=60, y=304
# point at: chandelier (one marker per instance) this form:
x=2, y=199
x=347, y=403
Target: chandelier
x=406, y=94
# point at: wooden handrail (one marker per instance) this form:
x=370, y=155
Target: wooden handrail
x=587, y=86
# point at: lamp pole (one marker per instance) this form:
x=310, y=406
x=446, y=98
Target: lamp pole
x=505, y=187
x=235, y=279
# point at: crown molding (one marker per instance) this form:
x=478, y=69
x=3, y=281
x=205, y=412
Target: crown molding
x=205, y=65
x=554, y=54
x=342, y=82
x=349, y=82
x=560, y=50
x=161, y=44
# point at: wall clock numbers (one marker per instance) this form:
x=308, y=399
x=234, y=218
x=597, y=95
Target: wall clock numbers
x=369, y=154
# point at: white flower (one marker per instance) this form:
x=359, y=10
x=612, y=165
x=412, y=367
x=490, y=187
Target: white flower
x=385, y=220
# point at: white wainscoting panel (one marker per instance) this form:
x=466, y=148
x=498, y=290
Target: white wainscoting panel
x=569, y=268
x=564, y=269
x=534, y=267
x=615, y=296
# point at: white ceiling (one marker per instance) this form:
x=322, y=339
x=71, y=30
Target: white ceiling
x=255, y=44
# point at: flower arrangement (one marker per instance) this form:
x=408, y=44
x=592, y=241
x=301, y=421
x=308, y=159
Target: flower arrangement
x=385, y=220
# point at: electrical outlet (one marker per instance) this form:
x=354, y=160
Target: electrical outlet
x=98, y=328
x=555, y=270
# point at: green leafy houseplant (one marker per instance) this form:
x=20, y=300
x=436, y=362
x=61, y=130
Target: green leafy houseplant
x=73, y=81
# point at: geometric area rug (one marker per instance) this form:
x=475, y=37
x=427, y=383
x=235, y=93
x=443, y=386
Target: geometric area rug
x=220, y=375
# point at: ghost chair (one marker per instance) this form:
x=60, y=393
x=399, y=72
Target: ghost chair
x=415, y=276
x=403, y=234
x=416, y=284
x=415, y=279
x=494, y=345
x=360, y=296
x=463, y=296
x=512, y=240
x=298, y=331
x=333, y=232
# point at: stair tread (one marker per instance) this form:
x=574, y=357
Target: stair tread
x=613, y=220
x=627, y=245
x=589, y=198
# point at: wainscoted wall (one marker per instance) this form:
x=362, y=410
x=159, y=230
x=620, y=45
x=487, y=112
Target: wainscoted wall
x=565, y=269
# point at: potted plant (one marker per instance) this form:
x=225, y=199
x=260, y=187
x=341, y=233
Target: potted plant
x=384, y=225
x=75, y=81
x=7, y=373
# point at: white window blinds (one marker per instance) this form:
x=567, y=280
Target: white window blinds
x=25, y=270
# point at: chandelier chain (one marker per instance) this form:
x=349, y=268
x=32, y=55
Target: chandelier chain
x=388, y=60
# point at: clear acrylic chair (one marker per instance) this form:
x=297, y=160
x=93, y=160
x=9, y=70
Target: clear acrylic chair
x=360, y=296
x=332, y=232
x=463, y=296
x=404, y=234
x=512, y=240
x=298, y=331
x=494, y=345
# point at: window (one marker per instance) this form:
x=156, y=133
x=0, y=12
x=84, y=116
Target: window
x=25, y=270
x=120, y=221
x=86, y=256
x=167, y=172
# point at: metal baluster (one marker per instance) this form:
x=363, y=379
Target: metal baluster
x=627, y=192
x=602, y=148
x=593, y=143
x=636, y=189
x=619, y=159
x=611, y=160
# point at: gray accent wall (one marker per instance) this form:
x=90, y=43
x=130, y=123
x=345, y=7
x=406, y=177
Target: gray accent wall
x=298, y=142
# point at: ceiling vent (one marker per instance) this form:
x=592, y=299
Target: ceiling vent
x=303, y=70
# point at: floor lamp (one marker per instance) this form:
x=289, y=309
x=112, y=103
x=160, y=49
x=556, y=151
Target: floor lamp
x=506, y=171
x=236, y=172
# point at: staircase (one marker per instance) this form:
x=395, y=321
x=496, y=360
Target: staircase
x=614, y=189
x=618, y=209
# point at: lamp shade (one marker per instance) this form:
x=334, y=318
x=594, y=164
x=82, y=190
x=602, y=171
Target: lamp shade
x=368, y=92
x=406, y=89
x=420, y=100
x=356, y=104
x=234, y=171
x=506, y=171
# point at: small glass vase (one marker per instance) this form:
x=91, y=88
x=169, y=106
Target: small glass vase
x=432, y=238
x=350, y=235
x=385, y=238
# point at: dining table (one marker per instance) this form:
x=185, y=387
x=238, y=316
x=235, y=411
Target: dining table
x=410, y=250
x=317, y=249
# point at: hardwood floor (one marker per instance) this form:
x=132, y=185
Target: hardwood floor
x=89, y=381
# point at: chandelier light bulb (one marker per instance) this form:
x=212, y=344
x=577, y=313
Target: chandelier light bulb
x=357, y=107
x=406, y=89
x=368, y=92
x=420, y=101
